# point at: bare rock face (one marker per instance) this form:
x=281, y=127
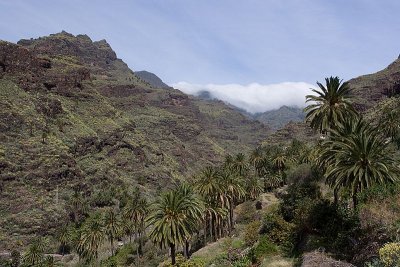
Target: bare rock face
x=34, y=72
x=65, y=44
x=370, y=89
x=20, y=63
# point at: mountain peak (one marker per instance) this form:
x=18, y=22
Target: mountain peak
x=152, y=79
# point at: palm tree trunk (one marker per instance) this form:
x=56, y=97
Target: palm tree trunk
x=335, y=197
x=355, y=202
x=112, y=246
x=205, y=231
x=172, y=246
x=231, y=215
x=186, y=249
x=210, y=228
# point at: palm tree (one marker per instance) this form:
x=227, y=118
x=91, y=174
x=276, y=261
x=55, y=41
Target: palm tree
x=256, y=158
x=78, y=206
x=330, y=105
x=34, y=256
x=91, y=237
x=64, y=237
x=195, y=211
x=134, y=214
x=389, y=123
x=209, y=187
x=171, y=221
x=240, y=165
x=232, y=184
x=253, y=187
x=357, y=157
x=112, y=227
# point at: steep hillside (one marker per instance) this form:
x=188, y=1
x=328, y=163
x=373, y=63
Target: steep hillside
x=152, y=79
x=74, y=116
x=278, y=118
x=372, y=88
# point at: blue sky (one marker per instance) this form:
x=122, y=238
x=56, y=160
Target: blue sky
x=225, y=41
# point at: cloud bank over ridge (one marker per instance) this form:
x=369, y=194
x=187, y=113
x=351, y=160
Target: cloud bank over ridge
x=253, y=97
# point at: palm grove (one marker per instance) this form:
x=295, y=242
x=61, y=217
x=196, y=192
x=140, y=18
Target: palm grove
x=353, y=155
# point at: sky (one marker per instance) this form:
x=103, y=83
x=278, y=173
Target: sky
x=274, y=44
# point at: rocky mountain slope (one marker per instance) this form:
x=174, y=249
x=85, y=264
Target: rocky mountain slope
x=369, y=89
x=74, y=117
x=152, y=79
x=278, y=118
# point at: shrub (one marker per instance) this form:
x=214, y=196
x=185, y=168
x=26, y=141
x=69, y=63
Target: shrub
x=261, y=249
x=183, y=262
x=390, y=254
x=276, y=228
x=251, y=233
x=244, y=262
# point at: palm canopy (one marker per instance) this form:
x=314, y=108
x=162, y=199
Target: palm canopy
x=330, y=105
x=356, y=157
x=172, y=218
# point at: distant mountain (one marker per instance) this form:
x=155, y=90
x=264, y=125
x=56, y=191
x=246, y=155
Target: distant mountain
x=152, y=79
x=278, y=118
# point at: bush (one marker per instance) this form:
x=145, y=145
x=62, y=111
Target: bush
x=276, y=228
x=390, y=254
x=261, y=249
x=251, y=233
x=183, y=262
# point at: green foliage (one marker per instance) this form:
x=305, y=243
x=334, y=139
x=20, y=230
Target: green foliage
x=264, y=247
x=390, y=254
x=356, y=157
x=330, y=105
x=276, y=228
x=251, y=232
x=183, y=262
x=379, y=192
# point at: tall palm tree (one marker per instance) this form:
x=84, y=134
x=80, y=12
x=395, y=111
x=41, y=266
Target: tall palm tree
x=112, y=227
x=253, y=187
x=356, y=157
x=240, y=164
x=389, y=123
x=232, y=184
x=256, y=158
x=209, y=187
x=134, y=214
x=330, y=104
x=194, y=211
x=78, y=206
x=64, y=237
x=34, y=256
x=91, y=237
x=170, y=220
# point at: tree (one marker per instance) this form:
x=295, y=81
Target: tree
x=112, y=227
x=171, y=221
x=194, y=211
x=356, y=157
x=92, y=235
x=134, y=214
x=330, y=105
x=232, y=184
x=209, y=187
x=35, y=254
x=64, y=237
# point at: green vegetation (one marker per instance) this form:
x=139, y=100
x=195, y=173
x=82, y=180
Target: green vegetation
x=87, y=146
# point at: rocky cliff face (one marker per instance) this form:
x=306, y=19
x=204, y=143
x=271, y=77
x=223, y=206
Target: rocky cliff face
x=74, y=117
x=370, y=89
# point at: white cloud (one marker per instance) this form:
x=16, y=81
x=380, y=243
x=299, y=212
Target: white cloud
x=253, y=97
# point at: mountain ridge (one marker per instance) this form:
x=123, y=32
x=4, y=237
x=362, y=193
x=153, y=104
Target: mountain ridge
x=74, y=117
